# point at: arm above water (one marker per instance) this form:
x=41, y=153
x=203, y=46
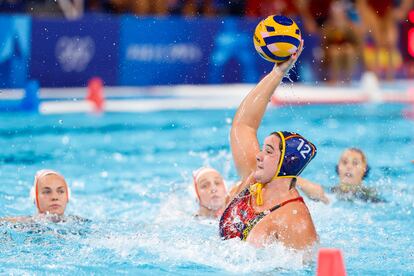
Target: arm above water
x=312, y=190
x=15, y=219
x=243, y=135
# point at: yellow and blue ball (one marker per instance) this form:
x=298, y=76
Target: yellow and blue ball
x=276, y=38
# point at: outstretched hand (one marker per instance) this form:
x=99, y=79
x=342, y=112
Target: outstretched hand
x=285, y=66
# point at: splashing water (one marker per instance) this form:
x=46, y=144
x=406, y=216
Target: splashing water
x=130, y=176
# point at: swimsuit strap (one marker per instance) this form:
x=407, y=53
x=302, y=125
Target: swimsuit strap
x=284, y=203
x=249, y=226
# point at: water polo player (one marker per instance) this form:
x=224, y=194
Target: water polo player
x=352, y=169
x=50, y=194
x=211, y=192
x=267, y=207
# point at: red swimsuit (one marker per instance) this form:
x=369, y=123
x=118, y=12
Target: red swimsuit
x=239, y=218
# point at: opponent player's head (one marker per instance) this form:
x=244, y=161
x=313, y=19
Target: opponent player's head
x=352, y=167
x=210, y=189
x=50, y=192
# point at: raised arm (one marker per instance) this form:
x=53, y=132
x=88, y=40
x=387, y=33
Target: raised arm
x=243, y=135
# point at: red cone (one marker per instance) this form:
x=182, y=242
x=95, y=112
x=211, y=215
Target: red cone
x=95, y=93
x=410, y=95
x=330, y=262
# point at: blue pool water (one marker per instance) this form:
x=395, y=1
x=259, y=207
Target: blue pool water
x=131, y=176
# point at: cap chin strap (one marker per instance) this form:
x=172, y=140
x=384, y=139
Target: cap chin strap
x=256, y=191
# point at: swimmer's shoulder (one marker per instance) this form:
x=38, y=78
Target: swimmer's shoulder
x=343, y=195
x=238, y=188
x=292, y=225
x=77, y=219
x=369, y=194
x=59, y=218
x=235, y=189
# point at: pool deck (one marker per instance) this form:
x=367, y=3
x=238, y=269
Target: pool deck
x=189, y=97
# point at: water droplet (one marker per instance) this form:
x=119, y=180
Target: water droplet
x=65, y=140
x=118, y=157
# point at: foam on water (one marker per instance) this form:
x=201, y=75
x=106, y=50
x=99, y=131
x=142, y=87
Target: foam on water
x=176, y=238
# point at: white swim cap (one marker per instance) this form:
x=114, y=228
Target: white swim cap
x=39, y=174
x=197, y=175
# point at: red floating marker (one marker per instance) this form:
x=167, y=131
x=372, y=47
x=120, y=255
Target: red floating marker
x=411, y=16
x=95, y=93
x=330, y=262
x=408, y=114
x=410, y=95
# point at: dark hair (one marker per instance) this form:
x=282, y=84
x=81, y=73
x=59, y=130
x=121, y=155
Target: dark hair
x=293, y=183
x=294, y=179
x=278, y=135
